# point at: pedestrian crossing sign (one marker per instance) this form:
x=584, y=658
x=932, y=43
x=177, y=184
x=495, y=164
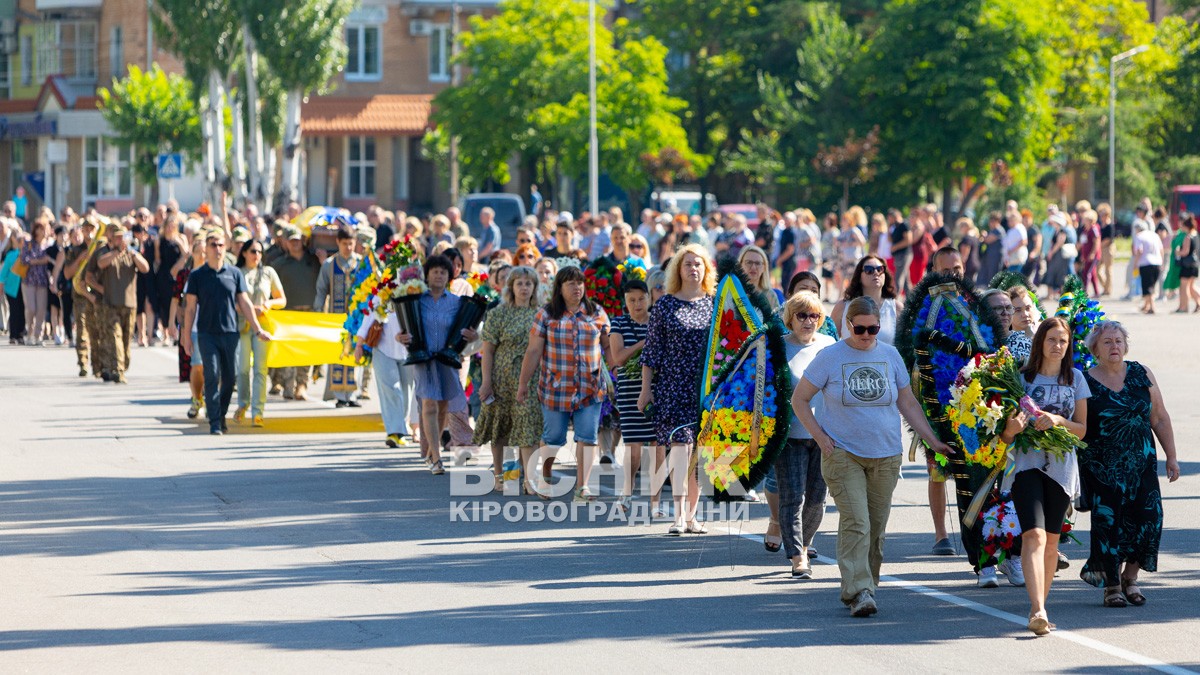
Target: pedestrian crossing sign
x=170, y=166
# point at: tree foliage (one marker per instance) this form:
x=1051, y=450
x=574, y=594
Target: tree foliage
x=154, y=113
x=527, y=95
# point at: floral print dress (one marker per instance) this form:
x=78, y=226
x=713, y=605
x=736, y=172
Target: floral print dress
x=675, y=348
x=1119, y=469
x=505, y=420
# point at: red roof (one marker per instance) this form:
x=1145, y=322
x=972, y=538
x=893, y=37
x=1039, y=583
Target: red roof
x=381, y=115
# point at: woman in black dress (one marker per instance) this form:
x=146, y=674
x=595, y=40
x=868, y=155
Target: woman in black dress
x=673, y=363
x=626, y=339
x=1119, y=467
x=170, y=248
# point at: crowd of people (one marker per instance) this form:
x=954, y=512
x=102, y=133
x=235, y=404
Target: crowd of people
x=549, y=359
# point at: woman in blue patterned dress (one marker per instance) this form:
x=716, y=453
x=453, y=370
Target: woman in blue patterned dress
x=1119, y=467
x=672, y=365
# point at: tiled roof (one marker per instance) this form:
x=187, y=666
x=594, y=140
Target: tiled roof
x=381, y=115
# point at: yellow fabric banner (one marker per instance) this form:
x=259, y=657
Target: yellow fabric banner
x=304, y=339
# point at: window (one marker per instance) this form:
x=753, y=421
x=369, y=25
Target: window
x=360, y=166
x=5, y=76
x=116, y=52
x=17, y=164
x=106, y=170
x=439, y=54
x=66, y=48
x=364, y=57
x=26, y=60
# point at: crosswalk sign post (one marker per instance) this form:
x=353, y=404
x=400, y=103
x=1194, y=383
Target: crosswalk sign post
x=170, y=169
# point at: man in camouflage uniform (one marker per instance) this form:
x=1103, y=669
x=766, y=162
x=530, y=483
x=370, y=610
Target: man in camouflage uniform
x=116, y=268
x=85, y=310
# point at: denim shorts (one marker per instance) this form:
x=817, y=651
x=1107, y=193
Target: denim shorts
x=196, y=362
x=554, y=425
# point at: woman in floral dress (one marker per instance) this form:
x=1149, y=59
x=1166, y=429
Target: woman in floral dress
x=503, y=421
x=672, y=364
x=1119, y=467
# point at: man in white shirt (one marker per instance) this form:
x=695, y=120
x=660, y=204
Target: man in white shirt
x=1016, y=244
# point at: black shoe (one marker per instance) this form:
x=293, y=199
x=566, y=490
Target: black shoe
x=606, y=459
x=353, y=404
x=340, y=404
x=445, y=440
x=106, y=377
x=224, y=426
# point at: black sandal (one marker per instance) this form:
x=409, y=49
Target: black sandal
x=1132, y=593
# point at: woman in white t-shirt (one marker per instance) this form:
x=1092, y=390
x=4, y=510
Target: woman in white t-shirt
x=1043, y=486
x=864, y=388
x=798, y=466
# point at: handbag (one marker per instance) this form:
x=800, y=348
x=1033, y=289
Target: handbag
x=19, y=268
x=374, y=334
x=1069, y=251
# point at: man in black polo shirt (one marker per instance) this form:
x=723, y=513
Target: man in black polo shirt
x=220, y=289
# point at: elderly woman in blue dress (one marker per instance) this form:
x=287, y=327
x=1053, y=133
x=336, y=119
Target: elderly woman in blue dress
x=438, y=386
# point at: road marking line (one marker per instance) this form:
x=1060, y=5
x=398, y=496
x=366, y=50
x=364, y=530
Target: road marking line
x=1084, y=641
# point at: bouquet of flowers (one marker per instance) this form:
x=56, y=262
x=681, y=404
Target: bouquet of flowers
x=633, y=367
x=603, y=282
x=1001, y=529
x=633, y=268
x=401, y=275
x=477, y=279
x=986, y=392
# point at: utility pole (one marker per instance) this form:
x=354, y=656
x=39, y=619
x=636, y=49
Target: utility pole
x=1112, y=120
x=454, y=82
x=593, y=142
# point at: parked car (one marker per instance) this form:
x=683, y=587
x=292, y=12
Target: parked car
x=749, y=211
x=682, y=200
x=1184, y=198
x=510, y=214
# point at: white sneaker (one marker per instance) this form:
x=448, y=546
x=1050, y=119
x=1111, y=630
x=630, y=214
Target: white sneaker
x=1011, y=569
x=987, y=577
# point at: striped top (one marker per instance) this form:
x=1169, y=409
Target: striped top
x=635, y=428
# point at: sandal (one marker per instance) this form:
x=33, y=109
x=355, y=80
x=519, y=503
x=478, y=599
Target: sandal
x=802, y=569
x=1039, y=625
x=694, y=527
x=772, y=542
x=675, y=530
x=1114, y=597
x=531, y=490
x=499, y=487
x=625, y=503
x=436, y=468
x=1132, y=593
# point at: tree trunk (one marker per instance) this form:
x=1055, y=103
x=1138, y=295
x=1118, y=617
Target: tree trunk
x=270, y=166
x=947, y=192
x=289, y=189
x=254, y=184
x=216, y=110
x=844, y=203
x=239, y=153
x=206, y=130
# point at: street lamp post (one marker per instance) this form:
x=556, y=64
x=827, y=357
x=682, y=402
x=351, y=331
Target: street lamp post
x=1112, y=120
x=593, y=143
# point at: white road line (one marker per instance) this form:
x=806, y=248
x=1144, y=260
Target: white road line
x=1104, y=647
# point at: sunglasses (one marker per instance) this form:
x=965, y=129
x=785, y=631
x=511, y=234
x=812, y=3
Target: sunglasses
x=636, y=247
x=804, y=316
x=873, y=269
x=873, y=329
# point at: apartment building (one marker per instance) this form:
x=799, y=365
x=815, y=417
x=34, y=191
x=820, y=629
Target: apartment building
x=363, y=140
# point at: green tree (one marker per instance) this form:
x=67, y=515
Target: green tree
x=955, y=86
x=154, y=113
x=304, y=43
x=527, y=96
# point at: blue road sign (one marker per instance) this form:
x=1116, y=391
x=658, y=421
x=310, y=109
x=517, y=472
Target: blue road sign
x=170, y=166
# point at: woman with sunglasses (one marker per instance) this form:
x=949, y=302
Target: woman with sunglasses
x=266, y=293
x=871, y=279
x=638, y=248
x=864, y=388
x=798, y=466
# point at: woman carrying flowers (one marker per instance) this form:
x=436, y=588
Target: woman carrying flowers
x=503, y=421
x=864, y=387
x=1043, y=482
x=798, y=467
x=625, y=342
x=672, y=365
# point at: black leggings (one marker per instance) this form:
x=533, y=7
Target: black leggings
x=1041, y=503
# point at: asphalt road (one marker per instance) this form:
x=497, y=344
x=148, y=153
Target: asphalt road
x=132, y=541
